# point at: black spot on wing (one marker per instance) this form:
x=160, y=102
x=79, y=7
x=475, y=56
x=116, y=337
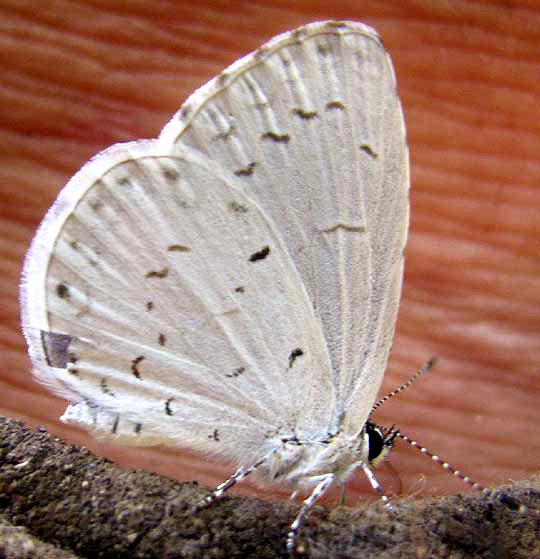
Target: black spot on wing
x=214, y=435
x=225, y=134
x=149, y=305
x=278, y=138
x=237, y=207
x=332, y=105
x=170, y=174
x=322, y=50
x=162, y=339
x=178, y=248
x=240, y=289
x=62, y=291
x=369, y=150
x=260, y=254
x=236, y=373
x=305, y=115
x=95, y=204
x=157, y=273
x=246, y=171
x=134, y=365
x=105, y=387
x=123, y=181
x=168, y=409
x=138, y=428
x=294, y=355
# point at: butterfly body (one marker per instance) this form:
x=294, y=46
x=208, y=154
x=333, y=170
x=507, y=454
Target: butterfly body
x=295, y=461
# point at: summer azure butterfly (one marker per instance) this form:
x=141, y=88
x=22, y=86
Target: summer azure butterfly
x=232, y=286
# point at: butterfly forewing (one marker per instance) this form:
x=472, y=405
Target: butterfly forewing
x=312, y=127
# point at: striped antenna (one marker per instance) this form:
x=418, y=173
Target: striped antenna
x=446, y=465
x=523, y=509
x=428, y=366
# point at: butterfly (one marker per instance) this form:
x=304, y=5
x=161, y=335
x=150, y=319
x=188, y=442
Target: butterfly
x=232, y=286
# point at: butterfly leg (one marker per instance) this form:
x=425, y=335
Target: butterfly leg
x=239, y=475
x=376, y=486
x=324, y=482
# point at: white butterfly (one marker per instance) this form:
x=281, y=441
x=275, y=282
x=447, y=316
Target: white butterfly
x=232, y=287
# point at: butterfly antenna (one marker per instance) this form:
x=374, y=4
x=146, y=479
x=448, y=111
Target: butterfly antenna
x=523, y=509
x=428, y=366
x=446, y=465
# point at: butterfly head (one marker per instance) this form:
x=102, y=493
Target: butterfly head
x=377, y=442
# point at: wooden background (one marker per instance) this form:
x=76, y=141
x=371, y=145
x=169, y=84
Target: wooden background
x=77, y=76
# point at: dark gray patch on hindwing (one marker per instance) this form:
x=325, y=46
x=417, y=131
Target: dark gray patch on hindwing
x=55, y=347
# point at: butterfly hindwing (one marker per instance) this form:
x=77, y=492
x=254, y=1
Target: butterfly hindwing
x=183, y=309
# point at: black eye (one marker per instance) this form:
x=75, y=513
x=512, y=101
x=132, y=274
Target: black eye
x=375, y=440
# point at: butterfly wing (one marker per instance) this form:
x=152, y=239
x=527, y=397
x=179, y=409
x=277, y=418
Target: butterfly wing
x=240, y=276
x=160, y=299
x=312, y=128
